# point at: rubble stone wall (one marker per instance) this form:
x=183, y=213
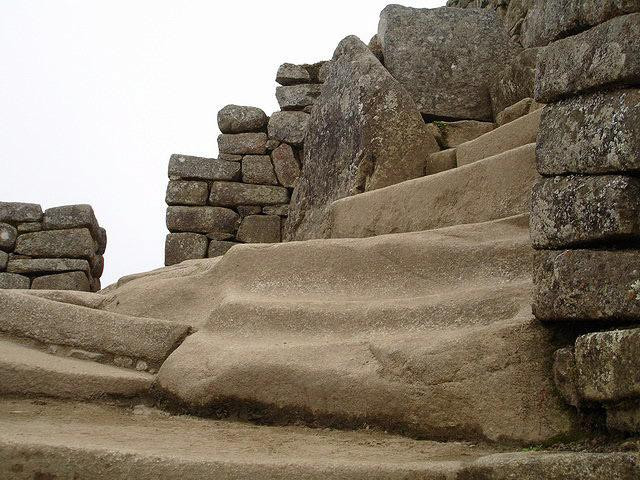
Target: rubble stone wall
x=61, y=248
x=243, y=195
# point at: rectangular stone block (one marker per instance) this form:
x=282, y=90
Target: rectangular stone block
x=452, y=134
x=29, y=227
x=8, y=236
x=71, y=216
x=13, y=280
x=259, y=229
x=184, y=192
x=296, y=97
x=219, y=247
x=34, y=265
x=257, y=169
x=286, y=165
x=179, y=247
x=586, y=285
x=62, y=281
x=604, y=55
x=72, y=243
x=441, y=161
x=242, y=144
x=201, y=219
x=584, y=210
x=280, y=210
x=591, y=134
x=16, y=212
x=199, y=168
x=233, y=194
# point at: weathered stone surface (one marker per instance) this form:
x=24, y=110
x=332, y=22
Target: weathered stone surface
x=8, y=235
x=565, y=375
x=229, y=157
x=96, y=264
x=62, y=281
x=13, y=280
x=189, y=167
x=592, y=134
x=71, y=216
x=586, y=285
x=101, y=241
x=242, y=144
x=259, y=170
x=624, y=417
x=452, y=134
x=71, y=243
x=441, y=161
x=33, y=265
x=549, y=20
x=246, y=210
x=515, y=111
x=516, y=82
x=184, y=192
x=289, y=127
x=376, y=48
x=577, y=210
x=29, y=227
x=179, y=247
x=447, y=71
x=259, y=229
x=323, y=71
x=232, y=194
x=241, y=119
x=219, y=247
x=315, y=70
x=281, y=210
x=364, y=133
x=607, y=365
x=291, y=74
x=4, y=259
x=602, y=56
x=16, y=212
x=285, y=165
x=296, y=97
x=202, y=219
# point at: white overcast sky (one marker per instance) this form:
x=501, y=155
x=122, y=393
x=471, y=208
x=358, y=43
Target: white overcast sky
x=95, y=95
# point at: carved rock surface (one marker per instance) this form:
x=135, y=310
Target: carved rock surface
x=364, y=133
x=446, y=57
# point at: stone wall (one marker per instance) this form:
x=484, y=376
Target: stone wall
x=242, y=196
x=60, y=249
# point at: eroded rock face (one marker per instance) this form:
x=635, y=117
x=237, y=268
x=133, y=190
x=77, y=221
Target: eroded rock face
x=591, y=134
x=364, y=133
x=446, y=58
x=516, y=82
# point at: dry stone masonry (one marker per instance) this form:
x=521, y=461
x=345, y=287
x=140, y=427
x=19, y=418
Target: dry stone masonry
x=60, y=249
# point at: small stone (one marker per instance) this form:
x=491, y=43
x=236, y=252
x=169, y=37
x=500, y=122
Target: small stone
x=285, y=165
x=577, y=210
x=179, y=247
x=84, y=355
x=233, y=194
x=258, y=169
x=217, y=248
x=291, y=74
x=141, y=366
x=72, y=243
x=29, y=227
x=229, y=157
x=101, y=241
x=202, y=219
x=53, y=349
x=246, y=210
x=515, y=111
x=604, y=55
x=296, y=97
x=35, y=265
x=243, y=144
x=280, y=210
x=62, y=281
x=452, y=134
x=189, y=167
x=123, y=362
x=259, y=229
x=220, y=235
x=241, y=119
x=146, y=411
x=71, y=216
x=289, y=127
x=4, y=260
x=441, y=161
x=272, y=144
x=8, y=236
x=183, y=192
x=16, y=212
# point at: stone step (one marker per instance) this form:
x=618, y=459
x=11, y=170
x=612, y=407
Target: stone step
x=496, y=187
x=514, y=134
x=63, y=441
x=27, y=372
x=52, y=322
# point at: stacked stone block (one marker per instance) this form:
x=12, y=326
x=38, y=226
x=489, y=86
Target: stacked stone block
x=61, y=248
x=585, y=210
x=242, y=196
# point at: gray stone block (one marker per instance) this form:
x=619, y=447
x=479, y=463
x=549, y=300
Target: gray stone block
x=8, y=236
x=296, y=97
x=291, y=74
x=179, y=247
x=246, y=210
x=257, y=169
x=591, y=134
x=289, y=127
x=285, y=165
x=189, y=167
x=96, y=264
x=259, y=229
x=201, y=219
x=516, y=82
x=242, y=144
x=71, y=216
x=219, y=247
x=29, y=227
x=584, y=210
x=13, y=280
x=72, y=243
x=62, y=281
x=16, y=212
x=586, y=285
x=241, y=119
x=47, y=265
x=185, y=192
x=101, y=241
x=228, y=194
x=604, y=55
